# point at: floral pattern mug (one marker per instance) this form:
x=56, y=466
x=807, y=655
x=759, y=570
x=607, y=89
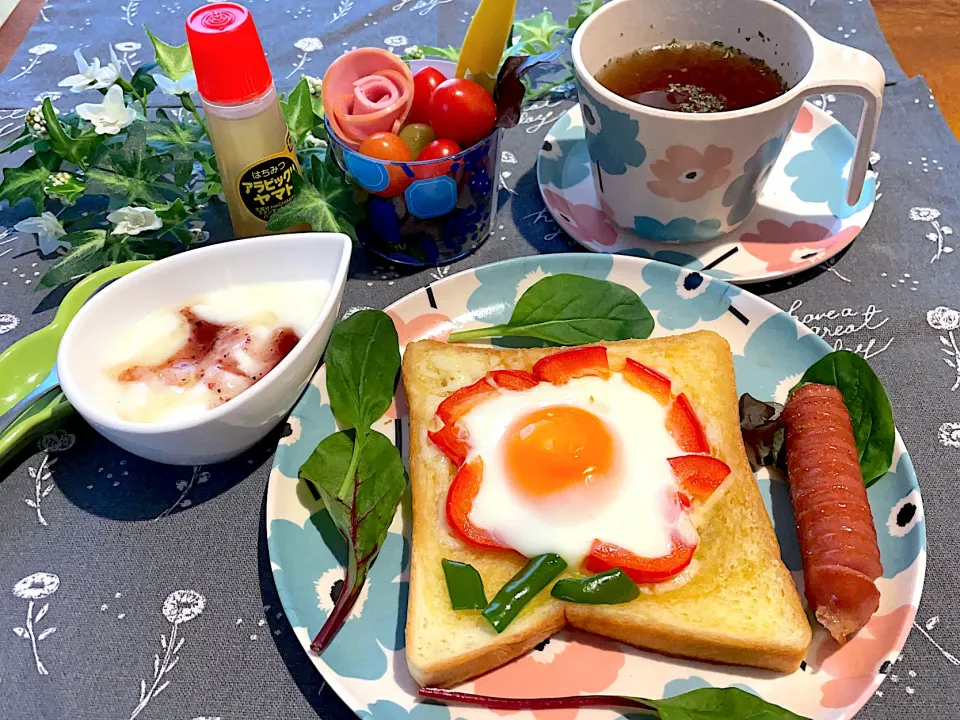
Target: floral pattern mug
x=688, y=177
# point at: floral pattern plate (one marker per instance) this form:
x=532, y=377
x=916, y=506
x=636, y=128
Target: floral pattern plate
x=801, y=217
x=365, y=664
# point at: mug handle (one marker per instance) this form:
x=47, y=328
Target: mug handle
x=845, y=70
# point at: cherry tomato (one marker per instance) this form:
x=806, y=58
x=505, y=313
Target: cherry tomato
x=417, y=136
x=462, y=111
x=436, y=150
x=424, y=83
x=387, y=146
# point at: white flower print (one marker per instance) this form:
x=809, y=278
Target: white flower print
x=40, y=475
x=342, y=9
x=199, y=476
x=54, y=96
x=133, y=220
x=38, y=586
x=92, y=76
x=131, y=46
x=8, y=322
x=57, y=441
x=47, y=229
x=36, y=52
x=184, y=86
x=947, y=320
x=328, y=587
x=949, y=434
x=129, y=51
x=180, y=606
x=508, y=157
x=292, y=431
x=396, y=41
x=306, y=46
x=109, y=117
x=939, y=233
x=531, y=278
x=130, y=11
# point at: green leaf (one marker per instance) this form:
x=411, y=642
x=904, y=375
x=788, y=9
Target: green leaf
x=720, y=704
x=86, y=255
x=535, y=35
x=323, y=201
x=182, y=141
x=298, y=111
x=572, y=310
x=75, y=146
x=22, y=140
x=29, y=180
x=867, y=403
x=447, y=53
x=362, y=360
x=584, y=9
x=371, y=470
x=174, y=60
x=173, y=214
x=125, y=168
x=142, y=81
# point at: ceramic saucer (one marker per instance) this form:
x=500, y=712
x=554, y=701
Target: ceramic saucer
x=801, y=218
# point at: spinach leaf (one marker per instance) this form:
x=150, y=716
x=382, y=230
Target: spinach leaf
x=362, y=500
x=867, y=403
x=572, y=310
x=363, y=358
x=703, y=704
x=359, y=473
x=719, y=704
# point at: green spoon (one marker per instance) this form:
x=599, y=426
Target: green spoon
x=25, y=364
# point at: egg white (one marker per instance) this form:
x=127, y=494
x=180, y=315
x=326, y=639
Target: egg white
x=631, y=516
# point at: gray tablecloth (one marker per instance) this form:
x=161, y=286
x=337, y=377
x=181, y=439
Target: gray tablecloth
x=121, y=534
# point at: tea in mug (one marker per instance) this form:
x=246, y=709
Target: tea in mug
x=692, y=77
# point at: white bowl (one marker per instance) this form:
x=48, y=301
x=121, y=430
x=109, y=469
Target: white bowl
x=228, y=430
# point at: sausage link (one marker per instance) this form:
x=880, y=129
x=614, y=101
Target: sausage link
x=838, y=541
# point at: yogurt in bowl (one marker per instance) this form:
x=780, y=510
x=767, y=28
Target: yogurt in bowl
x=194, y=358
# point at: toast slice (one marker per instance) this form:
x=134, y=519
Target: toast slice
x=738, y=606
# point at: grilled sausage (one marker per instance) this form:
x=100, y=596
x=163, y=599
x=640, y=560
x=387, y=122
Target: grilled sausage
x=838, y=541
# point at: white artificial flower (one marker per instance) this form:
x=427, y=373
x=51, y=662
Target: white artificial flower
x=109, y=117
x=131, y=220
x=47, y=229
x=309, y=44
x=184, y=86
x=943, y=318
x=37, y=586
x=91, y=75
x=42, y=49
x=183, y=605
x=924, y=214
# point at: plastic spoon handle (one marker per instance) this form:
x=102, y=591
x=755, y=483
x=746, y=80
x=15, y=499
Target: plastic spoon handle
x=484, y=43
x=50, y=382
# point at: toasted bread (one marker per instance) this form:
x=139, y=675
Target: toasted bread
x=738, y=603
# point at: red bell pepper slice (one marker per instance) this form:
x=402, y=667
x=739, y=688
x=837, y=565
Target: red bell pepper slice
x=699, y=475
x=460, y=496
x=451, y=441
x=605, y=556
x=461, y=401
x=683, y=425
x=566, y=365
x=647, y=379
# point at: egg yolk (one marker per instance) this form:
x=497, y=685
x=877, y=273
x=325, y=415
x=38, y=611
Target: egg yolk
x=557, y=448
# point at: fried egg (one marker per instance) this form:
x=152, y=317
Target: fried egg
x=564, y=465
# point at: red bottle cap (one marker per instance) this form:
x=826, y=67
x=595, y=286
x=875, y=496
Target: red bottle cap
x=227, y=55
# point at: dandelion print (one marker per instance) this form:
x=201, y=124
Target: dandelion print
x=396, y=41
x=306, y=46
x=38, y=586
x=342, y=9
x=36, y=52
x=8, y=322
x=185, y=486
x=128, y=53
x=41, y=487
x=949, y=434
x=939, y=232
x=180, y=606
x=130, y=11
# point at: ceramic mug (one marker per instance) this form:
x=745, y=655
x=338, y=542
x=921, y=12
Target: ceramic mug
x=687, y=177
